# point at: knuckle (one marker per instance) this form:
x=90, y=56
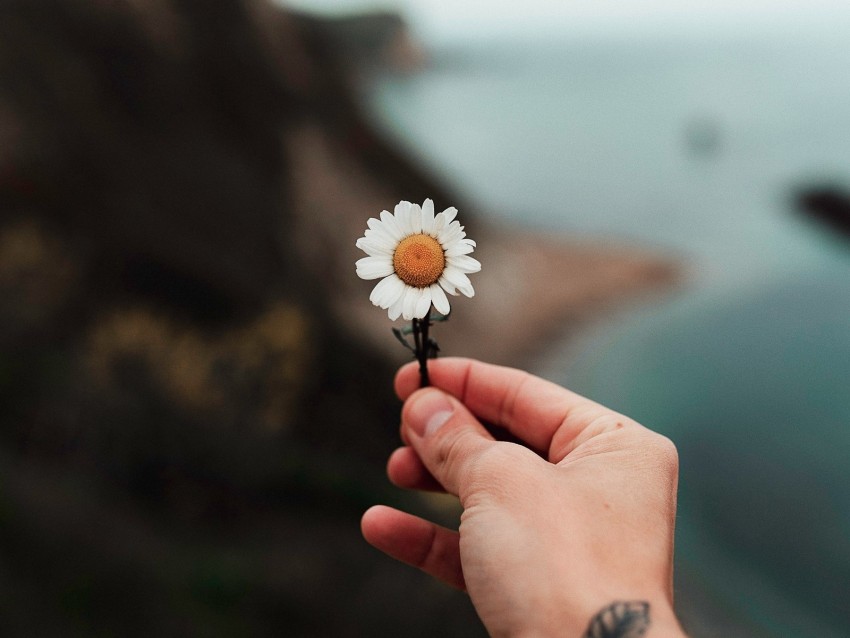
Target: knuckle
x=607, y=421
x=666, y=452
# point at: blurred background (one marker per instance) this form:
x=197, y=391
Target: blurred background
x=195, y=393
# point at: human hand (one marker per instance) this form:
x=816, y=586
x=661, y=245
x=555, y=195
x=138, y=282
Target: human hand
x=548, y=543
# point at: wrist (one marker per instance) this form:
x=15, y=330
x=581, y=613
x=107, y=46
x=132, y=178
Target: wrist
x=615, y=619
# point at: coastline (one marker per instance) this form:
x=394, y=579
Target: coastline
x=533, y=287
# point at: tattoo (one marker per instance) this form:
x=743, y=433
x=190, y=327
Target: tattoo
x=620, y=620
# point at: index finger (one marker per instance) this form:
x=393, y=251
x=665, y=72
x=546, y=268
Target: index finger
x=534, y=410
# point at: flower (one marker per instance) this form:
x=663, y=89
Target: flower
x=417, y=255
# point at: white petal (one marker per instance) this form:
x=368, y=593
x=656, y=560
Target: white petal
x=428, y=216
x=387, y=292
x=391, y=224
x=439, y=299
x=380, y=235
x=378, y=291
x=448, y=286
x=423, y=304
x=459, y=248
x=464, y=263
x=381, y=239
x=380, y=230
x=411, y=296
x=395, y=310
x=451, y=233
x=402, y=217
x=439, y=224
x=457, y=279
x=457, y=286
x=374, y=267
x=416, y=218
x=450, y=213
x=372, y=249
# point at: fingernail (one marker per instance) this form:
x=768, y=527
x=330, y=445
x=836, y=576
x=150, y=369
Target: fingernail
x=429, y=412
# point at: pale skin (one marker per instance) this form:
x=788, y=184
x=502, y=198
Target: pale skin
x=578, y=515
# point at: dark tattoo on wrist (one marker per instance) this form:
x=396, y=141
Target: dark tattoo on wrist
x=620, y=620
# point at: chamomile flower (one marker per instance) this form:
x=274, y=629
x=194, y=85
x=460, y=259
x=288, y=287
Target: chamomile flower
x=419, y=257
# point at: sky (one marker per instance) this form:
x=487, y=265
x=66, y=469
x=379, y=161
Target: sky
x=436, y=20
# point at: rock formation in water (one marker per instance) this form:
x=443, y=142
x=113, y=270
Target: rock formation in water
x=828, y=205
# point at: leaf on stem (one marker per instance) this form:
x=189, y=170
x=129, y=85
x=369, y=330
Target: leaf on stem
x=400, y=335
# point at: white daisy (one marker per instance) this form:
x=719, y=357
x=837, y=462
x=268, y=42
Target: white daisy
x=417, y=255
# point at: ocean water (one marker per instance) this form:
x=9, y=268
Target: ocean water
x=694, y=148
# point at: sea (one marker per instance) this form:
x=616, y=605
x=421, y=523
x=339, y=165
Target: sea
x=695, y=147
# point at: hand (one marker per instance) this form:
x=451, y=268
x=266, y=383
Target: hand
x=548, y=542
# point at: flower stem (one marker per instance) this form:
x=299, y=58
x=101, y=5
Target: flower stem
x=423, y=347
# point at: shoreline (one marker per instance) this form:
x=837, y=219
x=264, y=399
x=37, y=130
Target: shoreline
x=533, y=287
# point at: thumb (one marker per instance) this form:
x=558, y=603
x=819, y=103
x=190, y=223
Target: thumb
x=446, y=436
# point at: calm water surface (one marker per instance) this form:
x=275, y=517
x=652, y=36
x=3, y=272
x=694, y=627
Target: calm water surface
x=690, y=147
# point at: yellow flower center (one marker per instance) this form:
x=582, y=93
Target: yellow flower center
x=419, y=260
